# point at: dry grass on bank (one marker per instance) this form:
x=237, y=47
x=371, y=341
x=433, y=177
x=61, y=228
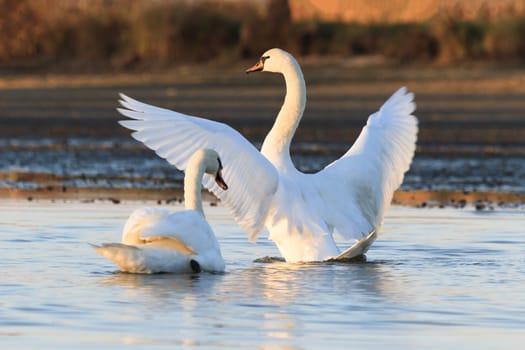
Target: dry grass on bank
x=123, y=34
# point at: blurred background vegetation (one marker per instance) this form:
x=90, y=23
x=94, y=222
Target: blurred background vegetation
x=123, y=35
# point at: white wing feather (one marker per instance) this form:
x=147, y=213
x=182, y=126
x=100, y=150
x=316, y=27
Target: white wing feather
x=174, y=136
x=372, y=169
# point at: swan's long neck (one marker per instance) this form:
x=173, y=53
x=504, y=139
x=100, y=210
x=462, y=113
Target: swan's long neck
x=276, y=146
x=192, y=184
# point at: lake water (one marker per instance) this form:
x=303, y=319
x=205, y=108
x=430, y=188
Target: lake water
x=435, y=279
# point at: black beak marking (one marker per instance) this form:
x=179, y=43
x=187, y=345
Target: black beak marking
x=219, y=179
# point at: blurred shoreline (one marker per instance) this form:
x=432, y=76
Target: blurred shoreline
x=461, y=109
x=413, y=198
x=60, y=139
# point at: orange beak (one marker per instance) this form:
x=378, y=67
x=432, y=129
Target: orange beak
x=256, y=67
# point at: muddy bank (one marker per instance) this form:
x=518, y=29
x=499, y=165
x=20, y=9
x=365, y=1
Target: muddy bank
x=455, y=106
x=414, y=198
x=94, y=163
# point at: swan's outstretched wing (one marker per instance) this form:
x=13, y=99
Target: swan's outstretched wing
x=372, y=169
x=252, y=180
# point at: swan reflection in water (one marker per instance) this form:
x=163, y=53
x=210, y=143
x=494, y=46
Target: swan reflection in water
x=274, y=281
x=278, y=301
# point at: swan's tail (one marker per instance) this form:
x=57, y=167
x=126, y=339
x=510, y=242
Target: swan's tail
x=127, y=257
x=359, y=248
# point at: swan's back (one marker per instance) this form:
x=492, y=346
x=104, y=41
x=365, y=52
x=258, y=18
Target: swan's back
x=143, y=220
x=188, y=226
x=185, y=232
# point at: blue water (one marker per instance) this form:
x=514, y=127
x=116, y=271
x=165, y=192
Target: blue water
x=435, y=279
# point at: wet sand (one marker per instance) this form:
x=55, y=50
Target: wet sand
x=116, y=170
x=413, y=198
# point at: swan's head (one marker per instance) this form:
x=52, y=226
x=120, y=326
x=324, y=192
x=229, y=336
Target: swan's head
x=212, y=165
x=273, y=60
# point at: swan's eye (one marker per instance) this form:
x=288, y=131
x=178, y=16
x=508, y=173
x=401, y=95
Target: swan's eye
x=264, y=58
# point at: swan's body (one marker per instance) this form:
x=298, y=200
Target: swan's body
x=156, y=240
x=301, y=211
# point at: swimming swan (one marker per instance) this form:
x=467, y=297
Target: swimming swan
x=301, y=211
x=156, y=240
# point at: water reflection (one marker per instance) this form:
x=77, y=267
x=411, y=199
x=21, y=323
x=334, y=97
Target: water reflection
x=276, y=298
x=284, y=283
x=447, y=275
x=163, y=286
x=276, y=283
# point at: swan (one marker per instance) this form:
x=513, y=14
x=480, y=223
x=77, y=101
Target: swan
x=301, y=211
x=157, y=240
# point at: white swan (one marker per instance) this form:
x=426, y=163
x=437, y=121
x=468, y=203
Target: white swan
x=156, y=240
x=301, y=211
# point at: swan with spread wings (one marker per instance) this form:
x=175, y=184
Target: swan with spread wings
x=300, y=211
